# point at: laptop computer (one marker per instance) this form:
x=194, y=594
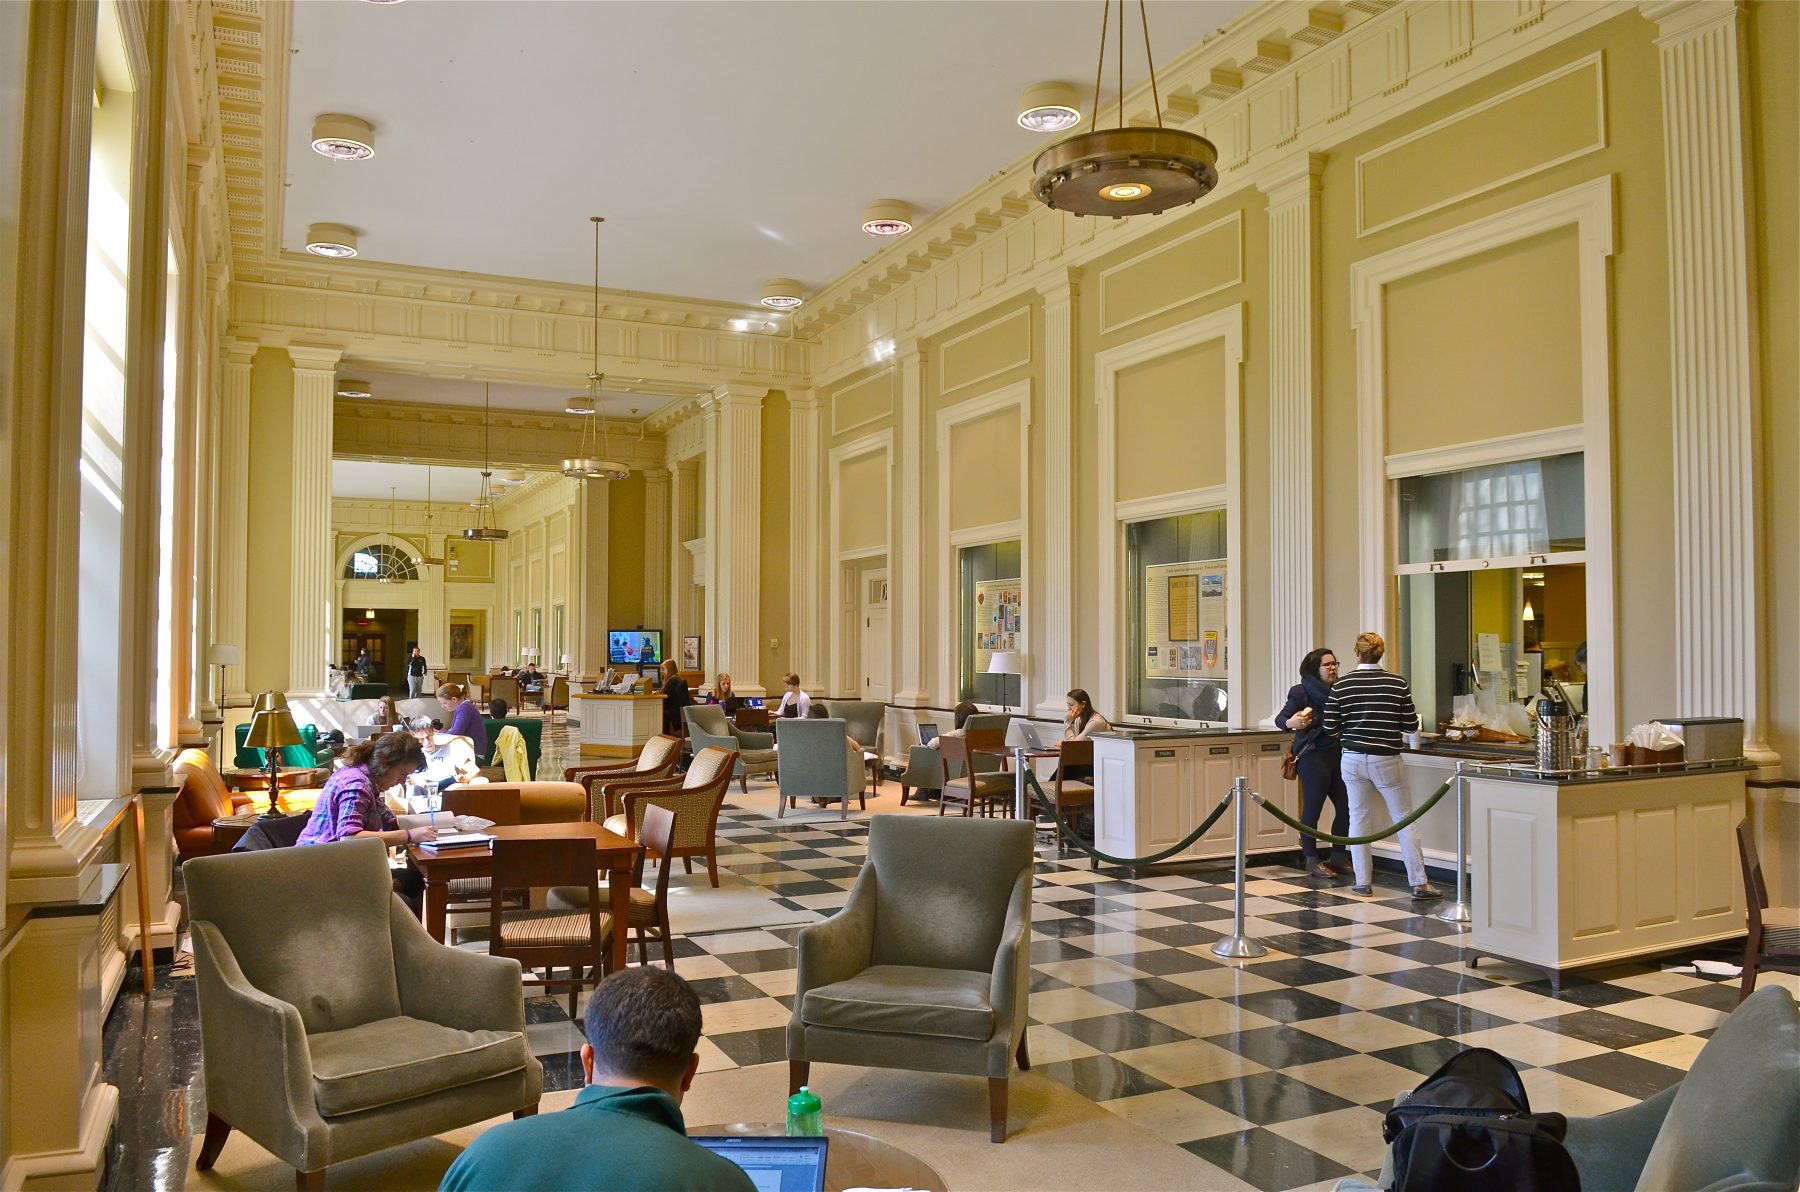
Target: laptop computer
x=1032, y=737
x=774, y=1164
x=928, y=732
x=365, y=731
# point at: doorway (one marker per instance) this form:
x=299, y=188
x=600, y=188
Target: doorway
x=388, y=634
x=875, y=645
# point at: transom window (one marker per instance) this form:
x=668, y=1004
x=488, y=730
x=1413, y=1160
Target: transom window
x=378, y=560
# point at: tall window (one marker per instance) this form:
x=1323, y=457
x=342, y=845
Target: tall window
x=1178, y=651
x=166, y=620
x=991, y=608
x=380, y=560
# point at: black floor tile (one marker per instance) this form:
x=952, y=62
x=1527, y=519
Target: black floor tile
x=726, y=989
x=1051, y=951
x=1265, y=1098
x=1442, y=1018
x=562, y=1071
x=1073, y=925
x=1181, y=935
x=803, y=889
x=1287, y=1005
x=1280, y=1047
x=1196, y=912
x=1044, y=982
x=766, y=960
x=765, y=1046
x=1307, y=920
x=1146, y=993
x=1266, y=1159
x=1163, y=962
x=1423, y=1058
x=1608, y=1030
x=1629, y=1074
x=1423, y=950
x=1592, y=994
x=1100, y=1077
x=1300, y=972
x=1305, y=943
x=1436, y=981
x=1719, y=995
x=1121, y=1032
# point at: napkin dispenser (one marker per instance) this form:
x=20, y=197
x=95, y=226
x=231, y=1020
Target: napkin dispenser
x=1708, y=738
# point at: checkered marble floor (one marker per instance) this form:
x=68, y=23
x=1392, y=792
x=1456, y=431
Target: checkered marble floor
x=1277, y=1069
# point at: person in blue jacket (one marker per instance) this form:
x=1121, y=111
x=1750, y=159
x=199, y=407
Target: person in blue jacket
x=1316, y=758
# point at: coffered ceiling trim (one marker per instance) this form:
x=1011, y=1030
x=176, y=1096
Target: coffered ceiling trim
x=429, y=434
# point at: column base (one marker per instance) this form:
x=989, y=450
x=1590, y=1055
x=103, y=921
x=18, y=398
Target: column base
x=165, y=930
x=82, y=1165
x=912, y=699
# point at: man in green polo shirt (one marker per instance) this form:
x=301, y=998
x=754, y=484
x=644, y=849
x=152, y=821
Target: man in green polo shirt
x=625, y=1132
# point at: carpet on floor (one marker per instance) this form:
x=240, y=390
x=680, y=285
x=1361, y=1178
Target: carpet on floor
x=1058, y=1139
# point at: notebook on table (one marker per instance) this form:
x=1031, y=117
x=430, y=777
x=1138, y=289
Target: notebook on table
x=774, y=1164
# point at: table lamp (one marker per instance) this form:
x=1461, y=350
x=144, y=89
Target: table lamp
x=221, y=655
x=1004, y=662
x=272, y=727
x=567, y=659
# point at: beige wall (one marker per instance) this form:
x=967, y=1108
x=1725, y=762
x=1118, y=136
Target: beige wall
x=777, y=575
x=1169, y=413
x=269, y=579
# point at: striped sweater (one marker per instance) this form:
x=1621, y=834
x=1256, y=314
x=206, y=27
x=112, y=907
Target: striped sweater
x=1369, y=709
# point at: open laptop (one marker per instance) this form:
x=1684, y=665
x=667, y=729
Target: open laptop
x=928, y=732
x=774, y=1164
x=1031, y=735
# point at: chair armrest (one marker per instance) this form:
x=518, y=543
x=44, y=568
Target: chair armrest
x=241, y=802
x=469, y=991
x=576, y=773
x=839, y=948
x=924, y=767
x=1609, y=1150
x=1012, y=959
x=257, y=1063
x=613, y=793
x=749, y=739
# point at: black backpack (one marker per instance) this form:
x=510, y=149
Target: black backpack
x=1469, y=1128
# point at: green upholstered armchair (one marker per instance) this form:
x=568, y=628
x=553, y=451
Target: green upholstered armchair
x=708, y=728
x=818, y=762
x=927, y=967
x=322, y=1045
x=304, y=754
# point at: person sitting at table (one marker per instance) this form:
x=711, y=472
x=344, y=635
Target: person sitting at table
x=795, y=703
x=531, y=678
x=960, y=718
x=386, y=714
x=724, y=696
x=624, y=1132
x=1080, y=721
x=449, y=759
x=351, y=805
x=675, y=698
x=465, y=717
x=498, y=709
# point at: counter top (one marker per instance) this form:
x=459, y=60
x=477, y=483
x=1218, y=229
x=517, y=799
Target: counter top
x=1132, y=732
x=1516, y=772
x=615, y=695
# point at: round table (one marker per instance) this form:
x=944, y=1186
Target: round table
x=290, y=777
x=852, y=1160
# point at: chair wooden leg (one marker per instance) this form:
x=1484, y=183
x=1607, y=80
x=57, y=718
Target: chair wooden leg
x=217, y=1131
x=997, y=1108
x=712, y=866
x=643, y=941
x=744, y=782
x=1024, y=1055
x=798, y=1071
x=310, y=1181
x=903, y=794
x=1752, y=955
x=528, y=1111
x=668, y=943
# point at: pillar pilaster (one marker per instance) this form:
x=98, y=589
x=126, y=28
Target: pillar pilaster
x=231, y=512
x=908, y=571
x=684, y=524
x=658, y=549
x=594, y=507
x=311, y=641
x=1718, y=569
x=1054, y=646
x=807, y=621
x=1294, y=386
x=734, y=474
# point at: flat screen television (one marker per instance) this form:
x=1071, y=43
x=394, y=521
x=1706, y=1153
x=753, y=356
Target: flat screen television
x=634, y=647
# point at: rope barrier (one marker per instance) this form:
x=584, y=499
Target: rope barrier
x=1404, y=822
x=1069, y=833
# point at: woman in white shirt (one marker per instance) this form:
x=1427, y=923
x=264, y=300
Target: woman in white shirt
x=1080, y=722
x=795, y=703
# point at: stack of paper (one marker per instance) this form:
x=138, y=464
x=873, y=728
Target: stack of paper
x=451, y=841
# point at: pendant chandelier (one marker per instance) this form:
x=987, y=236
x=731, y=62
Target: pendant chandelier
x=391, y=571
x=590, y=460
x=1125, y=170
x=427, y=559
x=484, y=529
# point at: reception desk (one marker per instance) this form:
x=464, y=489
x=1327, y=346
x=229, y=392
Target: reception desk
x=617, y=725
x=1580, y=869
x=1153, y=786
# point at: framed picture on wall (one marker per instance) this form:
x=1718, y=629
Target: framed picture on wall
x=690, y=652
x=462, y=639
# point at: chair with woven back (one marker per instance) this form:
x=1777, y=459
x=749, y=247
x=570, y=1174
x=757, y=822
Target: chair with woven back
x=479, y=683
x=485, y=801
x=981, y=782
x=546, y=940
x=695, y=799
x=507, y=688
x=556, y=697
x=1065, y=795
x=648, y=917
x=1774, y=939
x=655, y=762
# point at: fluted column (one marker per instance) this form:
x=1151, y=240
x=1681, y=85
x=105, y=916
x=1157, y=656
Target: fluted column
x=311, y=637
x=1717, y=569
x=683, y=501
x=1053, y=639
x=658, y=549
x=908, y=571
x=804, y=605
x=190, y=461
x=594, y=510
x=232, y=511
x=734, y=471
x=709, y=529
x=1293, y=414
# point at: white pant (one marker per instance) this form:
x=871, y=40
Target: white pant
x=415, y=685
x=1365, y=776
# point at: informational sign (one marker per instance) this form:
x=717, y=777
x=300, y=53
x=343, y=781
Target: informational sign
x=1184, y=620
x=996, y=620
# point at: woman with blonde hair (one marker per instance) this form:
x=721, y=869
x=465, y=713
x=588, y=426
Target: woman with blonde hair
x=465, y=717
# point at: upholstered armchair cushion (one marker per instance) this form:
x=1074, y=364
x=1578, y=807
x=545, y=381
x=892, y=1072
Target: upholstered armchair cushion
x=399, y=1059
x=546, y=802
x=902, y=1000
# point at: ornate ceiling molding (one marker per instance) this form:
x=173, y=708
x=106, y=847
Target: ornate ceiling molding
x=430, y=434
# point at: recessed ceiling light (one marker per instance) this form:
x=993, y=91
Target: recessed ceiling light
x=1124, y=192
x=330, y=240
x=349, y=388
x=783, y=293
x=343, y=138
x=888, y=217
x=1049, y=107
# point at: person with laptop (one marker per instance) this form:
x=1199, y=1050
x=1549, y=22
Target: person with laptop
x=625, y=1131
x=1081, y=722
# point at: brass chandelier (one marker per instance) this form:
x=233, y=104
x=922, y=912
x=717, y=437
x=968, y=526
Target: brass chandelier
x=590, y=460
x=1124, y=171
x=484, y=529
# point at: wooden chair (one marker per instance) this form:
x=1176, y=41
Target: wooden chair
x=505, y=687
x=695, y=800
x=648, y=917
x=460, y=678
x=1066, y=795
x=546, y=940
x=655, y=762
x=556, y=697
x=1774, y=939
x=497, y=803
x=480, y=684
x=980, y=783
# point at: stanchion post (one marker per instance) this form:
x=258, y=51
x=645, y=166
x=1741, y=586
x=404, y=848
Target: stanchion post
x=1458, y=911
x=1239, y=946
x=1021, y=801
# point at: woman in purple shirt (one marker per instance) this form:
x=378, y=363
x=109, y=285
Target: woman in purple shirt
x=350, y=805
x=465, y=717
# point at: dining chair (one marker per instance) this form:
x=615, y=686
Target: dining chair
x=489, y=802
x=1774, y=939
x=1069, y=796
x=546, y=940
x=555, y=698
x=655, y=762
x=648, y=917
x=980, y=784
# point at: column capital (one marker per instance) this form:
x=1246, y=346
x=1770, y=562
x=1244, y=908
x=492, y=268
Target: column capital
x=1678, y=18
x=1063, y=285
x=1292, y=179
x=733, y=393
x=656, y=475
x=314, y=357
x=239, y=350
x=912, y=353
x=803, y=399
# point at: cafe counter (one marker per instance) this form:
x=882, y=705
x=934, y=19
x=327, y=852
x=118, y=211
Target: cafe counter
x=1153, y=786
x=617, y=725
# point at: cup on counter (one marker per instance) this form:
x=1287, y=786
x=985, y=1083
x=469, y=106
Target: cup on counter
x=1617, y=752
x=1415, y=740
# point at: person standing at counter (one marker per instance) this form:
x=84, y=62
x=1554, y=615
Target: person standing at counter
x=675, y=697
x=1317, y=758
x=1368, y=711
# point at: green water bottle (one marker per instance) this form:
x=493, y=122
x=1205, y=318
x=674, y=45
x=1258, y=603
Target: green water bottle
x=803, y=1115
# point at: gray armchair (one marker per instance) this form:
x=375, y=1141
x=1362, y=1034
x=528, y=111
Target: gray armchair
x=927, y=967
x=925, y=765
x=818, y=762
x=331, y=1025
x=708, y=726
x=863, y=721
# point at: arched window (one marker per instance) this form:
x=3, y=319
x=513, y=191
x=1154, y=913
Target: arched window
x=378, y=560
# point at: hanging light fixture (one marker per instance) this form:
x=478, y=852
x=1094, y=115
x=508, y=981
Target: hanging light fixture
x=390, y=571
x=484, y=529
x=589, y=461
x=427, y=559
x=1125, y=170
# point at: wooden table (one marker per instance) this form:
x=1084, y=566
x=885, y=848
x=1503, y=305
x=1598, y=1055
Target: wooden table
x=1023, y=756
x=612, y=852
x=290, y=777
x=852, y=1159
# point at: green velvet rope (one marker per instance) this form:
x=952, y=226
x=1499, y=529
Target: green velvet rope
x=1126, y=862
x=1321, y=834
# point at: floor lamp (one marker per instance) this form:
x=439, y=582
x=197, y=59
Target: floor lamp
x=222, y=655
x=1005, y=662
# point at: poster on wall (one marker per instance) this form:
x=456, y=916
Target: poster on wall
x=1184, y=620
x=997, y=607
x=462, y=641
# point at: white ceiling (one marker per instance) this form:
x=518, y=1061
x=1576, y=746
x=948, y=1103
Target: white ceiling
x=725, y=142
x=360, y=478
x=542, y=399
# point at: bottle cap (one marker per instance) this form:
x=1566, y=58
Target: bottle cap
x=803, y=1101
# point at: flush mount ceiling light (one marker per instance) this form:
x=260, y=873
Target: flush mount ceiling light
x=590, y=460
x=886, y=217
x=484, y=529
x=1049, y=107
x=1125, y=170
x=580, y=403
x=782, y=293
x=330, y=240
x=349, y=388
x=343, y=138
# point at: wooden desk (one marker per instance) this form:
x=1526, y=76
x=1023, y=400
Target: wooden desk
x=753, y=720
x=1021, y=800
x=613, y=853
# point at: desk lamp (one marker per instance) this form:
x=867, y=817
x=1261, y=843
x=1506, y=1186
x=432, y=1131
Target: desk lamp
x=272, y=727
x=1004, y=662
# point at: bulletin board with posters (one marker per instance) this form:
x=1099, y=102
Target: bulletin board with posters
x=998, y=604
x=1184, y=620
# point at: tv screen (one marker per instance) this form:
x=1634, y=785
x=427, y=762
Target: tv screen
x=634, y=647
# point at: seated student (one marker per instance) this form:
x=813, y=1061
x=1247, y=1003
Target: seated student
x=625, y=1131
x=498, y=709
x=386, y=714
x=724, y=696
x=465, y=718
x=795, y=703
x=1079, y=723
x=531, y=678
x=351, y=804
x=449, y=758
x=962, y=712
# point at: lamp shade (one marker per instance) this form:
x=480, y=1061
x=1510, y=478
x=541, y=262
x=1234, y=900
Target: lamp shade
x=220, y=654
x=1004, y=662
x=567, y=659
x=273, y=729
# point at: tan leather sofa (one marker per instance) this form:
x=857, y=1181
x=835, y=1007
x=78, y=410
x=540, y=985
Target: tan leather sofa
x=546, y=802
x=203, y=799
